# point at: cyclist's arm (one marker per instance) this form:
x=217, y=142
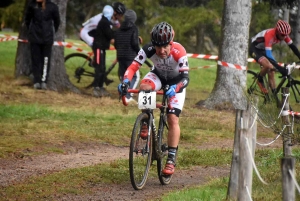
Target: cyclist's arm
x=184, y=74
x=146, y=52
x=269, y=39
x=134, y=66
x=295, y=50
x=183, y=82
x=269, y=54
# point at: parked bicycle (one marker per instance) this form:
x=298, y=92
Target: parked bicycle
x=79, y=68
x=143, y=151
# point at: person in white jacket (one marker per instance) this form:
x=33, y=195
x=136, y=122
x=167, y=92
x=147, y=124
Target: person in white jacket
x=86, y=33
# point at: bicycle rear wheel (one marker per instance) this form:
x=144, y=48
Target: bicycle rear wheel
x=76, y=65
x=162, y=151
x=140, y=154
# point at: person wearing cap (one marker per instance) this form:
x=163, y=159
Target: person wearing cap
x=127, y=47
x=103, y=37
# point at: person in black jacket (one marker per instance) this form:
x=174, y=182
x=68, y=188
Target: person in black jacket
x=127, y=46
x=103, y=37
x=42, y=20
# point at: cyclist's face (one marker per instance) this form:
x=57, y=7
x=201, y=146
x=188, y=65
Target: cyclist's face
x=163, y=51
x=280, y=36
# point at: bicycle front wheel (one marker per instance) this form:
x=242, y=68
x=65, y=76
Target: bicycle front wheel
x=162, y=151
x=140, y=154
x=78, y=68
x=267, y=106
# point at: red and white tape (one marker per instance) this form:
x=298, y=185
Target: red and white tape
x=229, y=65
x=57, y=43
x=74, y=47
x=294, y=113
x=211, y=57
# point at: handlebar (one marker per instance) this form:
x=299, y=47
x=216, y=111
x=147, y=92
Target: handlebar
x=136, y=91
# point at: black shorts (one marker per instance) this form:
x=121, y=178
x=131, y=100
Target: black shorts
x=256, y=53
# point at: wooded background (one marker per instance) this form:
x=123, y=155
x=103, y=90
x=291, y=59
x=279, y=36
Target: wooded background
x=197, y=23
x=216, y=27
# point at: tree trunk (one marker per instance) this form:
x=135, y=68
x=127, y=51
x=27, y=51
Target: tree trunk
x=200, y=38
x=230, y=83
x=297, y=30
x=23, y=57
x=58, y=78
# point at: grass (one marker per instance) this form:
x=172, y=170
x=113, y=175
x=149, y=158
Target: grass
x=42, y=121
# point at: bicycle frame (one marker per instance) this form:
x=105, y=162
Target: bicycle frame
x=150, y=148
x=288, y=81
x=291, y=83
x=156, y=134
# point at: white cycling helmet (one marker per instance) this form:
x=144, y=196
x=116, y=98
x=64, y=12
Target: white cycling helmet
x=108, y=12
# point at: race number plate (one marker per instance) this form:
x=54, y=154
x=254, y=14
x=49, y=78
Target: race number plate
x=147, y=100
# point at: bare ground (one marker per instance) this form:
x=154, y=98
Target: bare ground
x=15, y=170
x=18, y=168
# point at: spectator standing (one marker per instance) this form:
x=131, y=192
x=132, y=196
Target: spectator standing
x=42, y=20
x=103, y=37
x=127, y=46
x=89, y=27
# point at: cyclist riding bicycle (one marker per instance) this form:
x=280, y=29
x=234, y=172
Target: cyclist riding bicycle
x=261, y=51
x=170, y=67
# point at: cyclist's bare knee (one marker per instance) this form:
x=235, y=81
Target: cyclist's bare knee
x=145, y=87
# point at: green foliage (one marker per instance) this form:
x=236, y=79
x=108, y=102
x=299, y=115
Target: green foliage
x=11, y=16
x=261, y=19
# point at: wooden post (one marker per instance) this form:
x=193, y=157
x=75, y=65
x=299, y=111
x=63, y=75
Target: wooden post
x=288, y=186
x=232, y=191
x=243, y=122
x=287, y=150
x=245, y=166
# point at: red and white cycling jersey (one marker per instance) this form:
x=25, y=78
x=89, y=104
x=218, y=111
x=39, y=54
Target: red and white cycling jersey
x=267, y=38
x=170, y=70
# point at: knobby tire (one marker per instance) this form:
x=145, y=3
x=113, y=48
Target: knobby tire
x=139, y=159
x=162, y=148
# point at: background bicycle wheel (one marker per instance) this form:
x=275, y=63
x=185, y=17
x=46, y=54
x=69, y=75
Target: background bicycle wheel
x=79, y=70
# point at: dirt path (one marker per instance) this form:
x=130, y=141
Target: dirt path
x=15, y=170
x=153, y=189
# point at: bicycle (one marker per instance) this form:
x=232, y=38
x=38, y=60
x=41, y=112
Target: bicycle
x=269, y=108
x=79, y=68
x=270, y=96
x=143, y=151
